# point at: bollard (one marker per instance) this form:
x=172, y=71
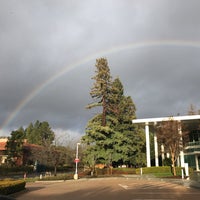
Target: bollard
x=25, y=175
x=182, y=173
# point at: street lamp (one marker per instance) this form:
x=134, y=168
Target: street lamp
x=76, y=161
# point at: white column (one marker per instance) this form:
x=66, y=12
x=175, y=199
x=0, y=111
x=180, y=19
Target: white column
x=156, y=150
x=178, y=161
x=162, y=153
x=147, y=144
x=197, y=162
x=182, y=159
x=167, y=155
x=181, y=146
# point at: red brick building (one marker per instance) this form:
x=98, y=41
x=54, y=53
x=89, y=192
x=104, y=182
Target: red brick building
x=3, y=155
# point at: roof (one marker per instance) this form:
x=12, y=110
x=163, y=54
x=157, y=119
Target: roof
x=2, y=146
x=160, y=119
x=26, y=145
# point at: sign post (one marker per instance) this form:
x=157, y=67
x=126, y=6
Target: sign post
x=76, y=160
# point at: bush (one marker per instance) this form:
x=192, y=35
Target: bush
x=115, y=171
x=58, y=177
x=123, y=171
x=11, y=186
x=154, y=170
x=5, y=170
x=163, y=171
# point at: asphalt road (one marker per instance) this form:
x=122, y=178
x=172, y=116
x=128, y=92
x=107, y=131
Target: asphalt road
x=107, y=188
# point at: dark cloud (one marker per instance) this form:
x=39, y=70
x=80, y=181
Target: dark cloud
x=41, y=38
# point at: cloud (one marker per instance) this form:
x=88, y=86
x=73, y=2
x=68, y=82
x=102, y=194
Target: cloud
x=40, y=39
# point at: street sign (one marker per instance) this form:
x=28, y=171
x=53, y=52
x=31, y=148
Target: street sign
x=76, y=160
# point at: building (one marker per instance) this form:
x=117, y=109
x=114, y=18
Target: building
x=3, y=156
x=192, y=150
x=27, y=148
x=190, y=154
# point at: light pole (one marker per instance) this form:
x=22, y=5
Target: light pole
x=76, y=161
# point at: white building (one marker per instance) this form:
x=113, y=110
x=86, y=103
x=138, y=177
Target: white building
x=191, y=153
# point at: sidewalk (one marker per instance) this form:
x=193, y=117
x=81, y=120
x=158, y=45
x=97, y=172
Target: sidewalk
x=184, y=182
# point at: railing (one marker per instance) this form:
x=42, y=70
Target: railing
x=196, y=143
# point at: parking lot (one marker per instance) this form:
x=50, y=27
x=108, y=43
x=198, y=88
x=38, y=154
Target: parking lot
x=107, y=188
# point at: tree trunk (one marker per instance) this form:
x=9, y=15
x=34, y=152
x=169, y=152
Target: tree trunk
x=55, y=170
x=173, y=167
x=104, y=113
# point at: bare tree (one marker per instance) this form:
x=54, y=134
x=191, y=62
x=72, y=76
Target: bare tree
x=170, y=135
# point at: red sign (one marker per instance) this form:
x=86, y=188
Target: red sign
x=76, y=160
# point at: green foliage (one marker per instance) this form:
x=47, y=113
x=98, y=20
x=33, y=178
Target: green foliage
x=115, y=171
x=11, y=186
x=153, y=170
x=167, y=162
x=110, y=137
x=40, y=133
x=101, y=88
x=102, y=80
x=6, y=170
x=58, y=177
x=14, y=146
x=164, y=171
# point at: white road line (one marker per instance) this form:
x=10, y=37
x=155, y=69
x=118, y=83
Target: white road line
x=123, y=186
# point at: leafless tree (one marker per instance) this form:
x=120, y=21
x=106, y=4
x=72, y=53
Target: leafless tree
x=169, y=134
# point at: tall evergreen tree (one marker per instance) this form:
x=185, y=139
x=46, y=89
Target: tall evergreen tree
x=110, y=135
x=101, y=88
x=97, y=131
x=128, y=139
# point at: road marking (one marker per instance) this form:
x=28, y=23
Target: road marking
x=150, y=185
x=124, y=186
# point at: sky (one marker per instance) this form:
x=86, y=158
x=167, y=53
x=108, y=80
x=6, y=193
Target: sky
x=48, y=50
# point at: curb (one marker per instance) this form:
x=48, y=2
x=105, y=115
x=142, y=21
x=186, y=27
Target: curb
x=187, y=183
x=50, y=181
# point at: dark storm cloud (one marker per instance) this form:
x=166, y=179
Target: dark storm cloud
x=40, y=38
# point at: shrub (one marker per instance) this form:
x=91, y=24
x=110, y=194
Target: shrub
x=115, y=171
x=153, y=170
x=11, y=186
x=58, y=177
x=5, y=170
x=165, y=170
x=123, y=171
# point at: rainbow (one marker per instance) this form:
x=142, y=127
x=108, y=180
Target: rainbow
x=103, y=53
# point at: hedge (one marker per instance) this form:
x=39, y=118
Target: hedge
x=5, y=170
x=114, y=171
x=58, y=177
x=11, y=186
x=160, y=170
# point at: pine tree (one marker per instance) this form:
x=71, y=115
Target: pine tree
x=97, y=131
x=101, y=88
x=128, y=138
x=110, y=135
